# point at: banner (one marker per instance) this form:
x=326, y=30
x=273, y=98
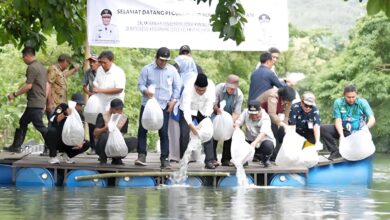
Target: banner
x=172, y=23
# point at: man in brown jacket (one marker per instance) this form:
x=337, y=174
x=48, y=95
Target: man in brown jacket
x=277, y=103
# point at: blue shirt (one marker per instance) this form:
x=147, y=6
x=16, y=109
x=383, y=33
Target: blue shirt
x=263, y=79
x=353, y=117
x=166, y=80
x=304, y=121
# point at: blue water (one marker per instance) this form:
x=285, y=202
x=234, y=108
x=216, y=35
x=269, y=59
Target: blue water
x=202, y=203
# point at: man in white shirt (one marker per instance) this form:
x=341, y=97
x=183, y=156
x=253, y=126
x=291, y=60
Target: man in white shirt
x=110, y=79
x=196, y=104
x=106, y=32
x=258, y=130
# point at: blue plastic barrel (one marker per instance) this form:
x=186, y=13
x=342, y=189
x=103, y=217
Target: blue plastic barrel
x=231, y=181
x=72, y=182
x=137, y=182
x=192, y=181
x=34, y=177
x=356, y=173
x=5, y=175
x=284, y=179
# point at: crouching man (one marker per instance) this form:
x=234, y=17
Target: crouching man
x=54, y=138
x=101, y=130
x=258, y=131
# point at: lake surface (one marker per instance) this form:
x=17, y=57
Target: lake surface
x=203, y=203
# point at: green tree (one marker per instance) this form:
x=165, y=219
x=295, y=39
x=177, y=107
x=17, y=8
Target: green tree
x=358, y=64
x=30, y=22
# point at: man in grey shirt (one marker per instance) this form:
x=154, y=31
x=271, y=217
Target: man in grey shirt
x=89, y=77
x=35, y=87
x=233, y=97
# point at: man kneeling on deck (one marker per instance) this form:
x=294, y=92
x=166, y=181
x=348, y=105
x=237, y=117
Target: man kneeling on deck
x=54, y=137
x=351, y=114
x=258, y=130
x=305, y=117
x=101, y=131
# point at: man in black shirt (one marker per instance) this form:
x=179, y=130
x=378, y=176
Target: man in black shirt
x=306, y=118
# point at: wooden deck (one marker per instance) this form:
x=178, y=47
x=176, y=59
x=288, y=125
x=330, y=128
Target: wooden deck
x=90, y=162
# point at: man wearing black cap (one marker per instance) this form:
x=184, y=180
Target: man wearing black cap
x=54, y=138
x=258, y=130
x=101, y=130
x=106, y=32
x=167, y=84
x=186, y=50
x=197, y=103
x=35, y=87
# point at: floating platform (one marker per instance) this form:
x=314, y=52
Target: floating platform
x=25, y=169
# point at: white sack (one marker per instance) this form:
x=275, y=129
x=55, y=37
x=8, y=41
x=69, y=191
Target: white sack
x=116, y=145
x=73, y=130
x=96, y=104
x=289, y=153
x=223, y=126
x=309, y=157
x=205, y=132
x=152, y=117
x=357, y=146
x=241, y=150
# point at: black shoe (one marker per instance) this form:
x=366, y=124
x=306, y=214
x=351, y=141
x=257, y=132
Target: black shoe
x=334, y=155
x=227, y=163
x=209, y=165
x=246, y=164
x=102, y=161
x=13, y=149
x=256, y=159
x=165, y=164
x=173, y=161
x=265, y=161
x=17, y=142
x=141, y=160
x=117, y=161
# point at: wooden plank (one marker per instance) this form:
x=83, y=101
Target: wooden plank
x=7, y=156
x=90, y=162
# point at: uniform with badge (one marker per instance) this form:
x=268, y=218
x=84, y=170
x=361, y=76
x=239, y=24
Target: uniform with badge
x=305, y=121
x=353, y=117
x=106, y=33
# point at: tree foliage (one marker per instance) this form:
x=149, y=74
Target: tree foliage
x=29, y=22
x=357, y=64
x=228, y=20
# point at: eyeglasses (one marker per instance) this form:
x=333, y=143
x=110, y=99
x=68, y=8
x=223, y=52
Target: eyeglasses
x=275, y=57
x=307, y=106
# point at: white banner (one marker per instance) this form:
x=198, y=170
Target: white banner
x=172, y=23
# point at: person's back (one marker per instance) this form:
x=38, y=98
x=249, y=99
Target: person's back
x=263, y=79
